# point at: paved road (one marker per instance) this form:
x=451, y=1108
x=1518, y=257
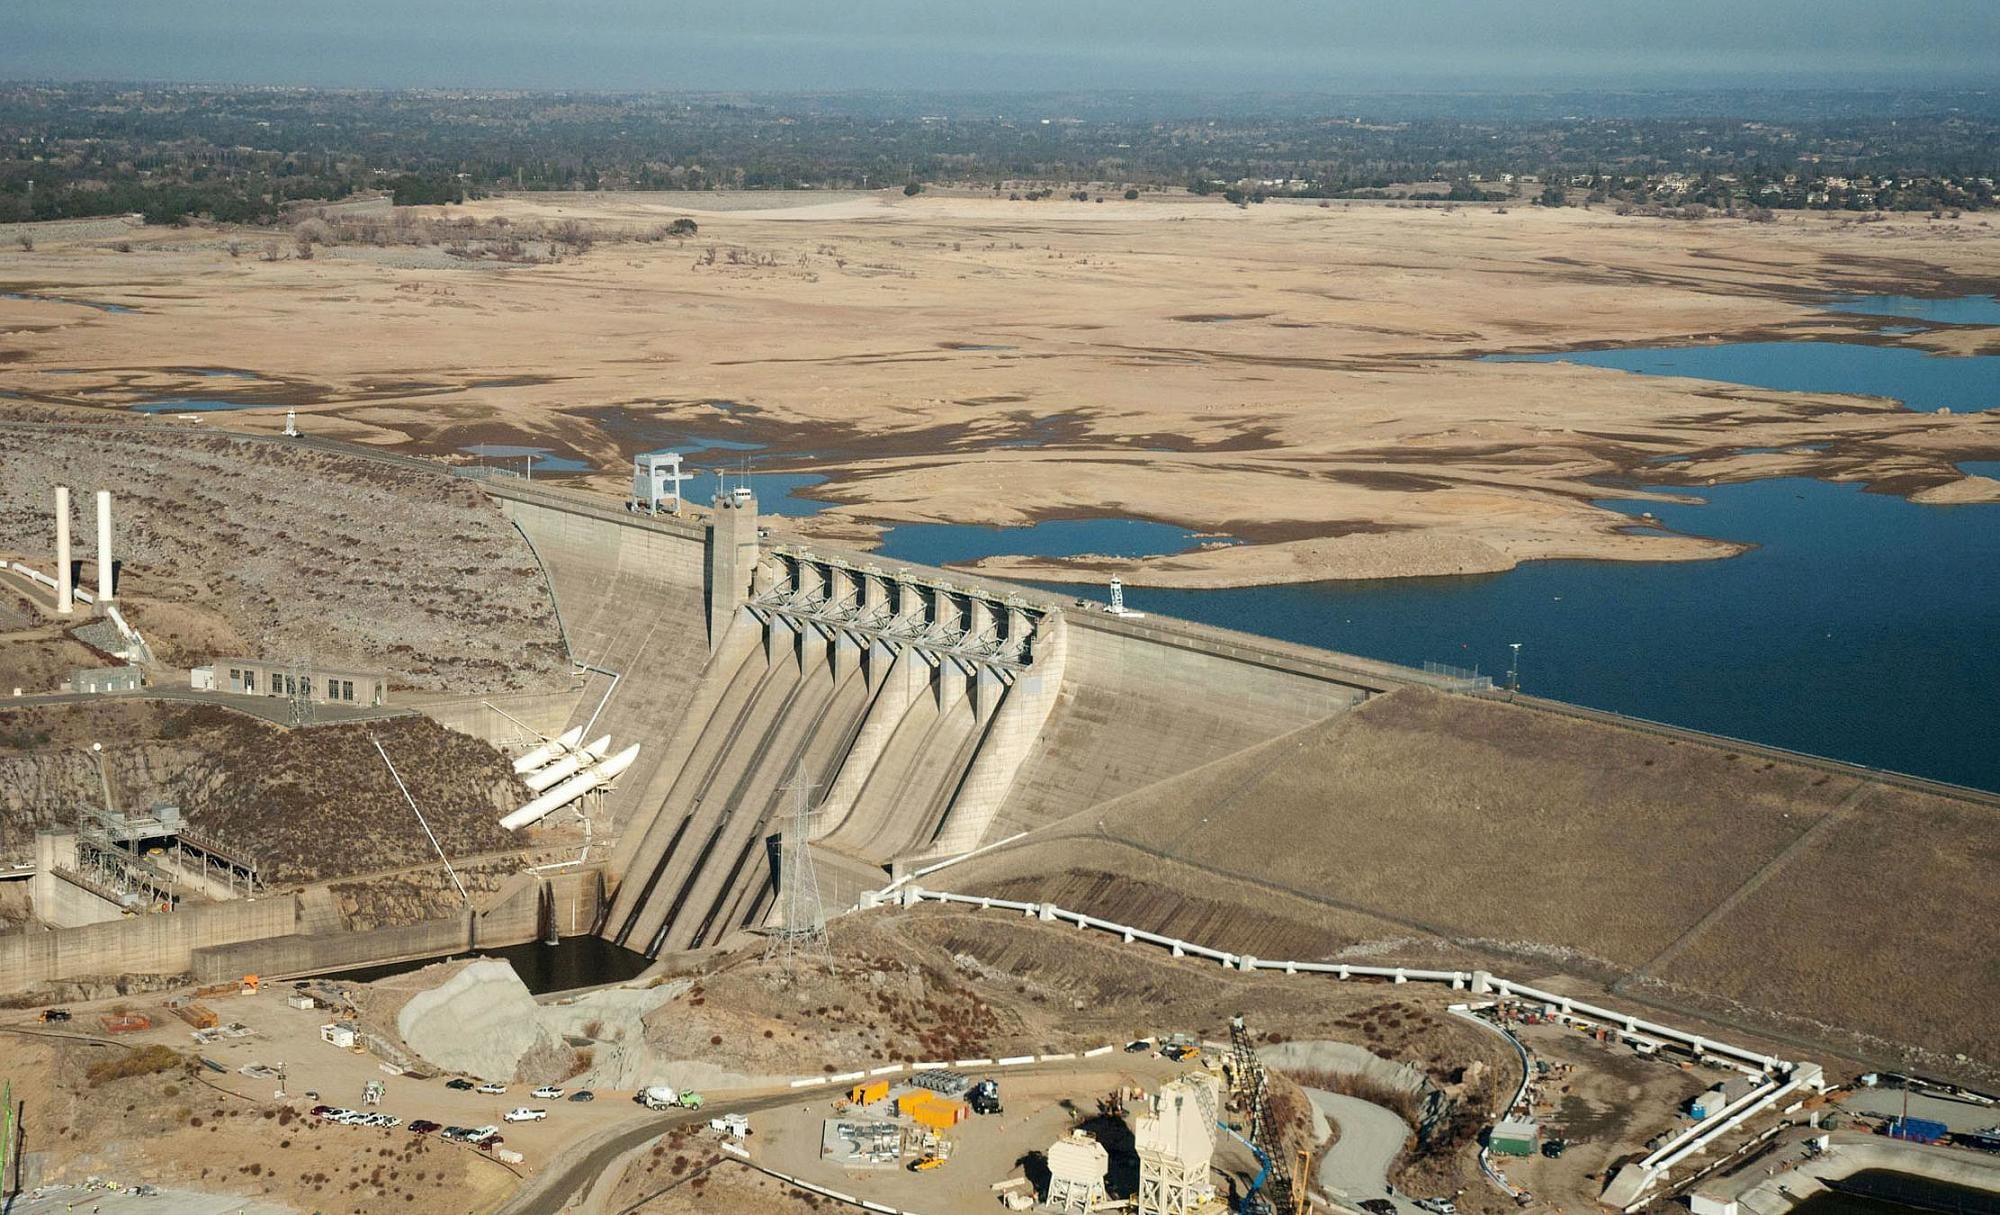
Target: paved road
x=69, y=1201
x=554, y=1188
x=271, y=708
x=1357, y=1166
x=1888, y=1103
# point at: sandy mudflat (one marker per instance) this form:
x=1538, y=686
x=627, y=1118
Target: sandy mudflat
x=1966, y=490
x=1296, y=377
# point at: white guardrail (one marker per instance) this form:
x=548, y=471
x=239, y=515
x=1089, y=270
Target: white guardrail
x=1780, y=1077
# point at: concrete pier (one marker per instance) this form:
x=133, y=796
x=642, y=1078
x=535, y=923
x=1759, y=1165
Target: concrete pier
x=65, y=572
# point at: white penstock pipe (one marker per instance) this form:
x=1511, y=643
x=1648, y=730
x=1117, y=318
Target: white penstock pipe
x=571, y=789
x=568, y=766
x=548, y=750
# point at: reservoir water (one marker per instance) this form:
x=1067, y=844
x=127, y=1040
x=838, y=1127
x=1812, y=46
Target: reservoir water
x=1923, y=381
x=1860, y=626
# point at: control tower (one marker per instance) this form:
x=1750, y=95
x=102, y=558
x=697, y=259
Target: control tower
x=656, y=478
x=731, y=557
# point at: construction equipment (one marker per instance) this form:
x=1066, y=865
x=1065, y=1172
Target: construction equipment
x=665, y=1097
x=1256, y=1201
x=985, y=1097
x=924, y=1164
x=1271, y=1192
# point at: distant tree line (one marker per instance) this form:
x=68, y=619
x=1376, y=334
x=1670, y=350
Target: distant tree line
x=249, y=155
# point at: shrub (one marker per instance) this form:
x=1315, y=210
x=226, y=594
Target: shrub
x=143, y=1061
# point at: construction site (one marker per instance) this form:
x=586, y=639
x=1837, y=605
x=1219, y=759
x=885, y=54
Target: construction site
x=803, y=877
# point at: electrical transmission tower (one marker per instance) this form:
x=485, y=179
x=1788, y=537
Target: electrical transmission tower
x=299, y=686
x=801, y=933
x=1249, y=1086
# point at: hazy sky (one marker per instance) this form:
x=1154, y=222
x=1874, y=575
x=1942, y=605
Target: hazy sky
x=1209, y=45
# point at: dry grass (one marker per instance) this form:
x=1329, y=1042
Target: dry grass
x=1478, y=830
x=310, y=804
x=1898, y=897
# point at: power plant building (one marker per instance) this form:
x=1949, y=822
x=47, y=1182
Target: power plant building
x=321, y=685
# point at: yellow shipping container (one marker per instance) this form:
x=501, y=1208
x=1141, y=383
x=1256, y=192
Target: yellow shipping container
x=937, y=1113
x=868, y=1094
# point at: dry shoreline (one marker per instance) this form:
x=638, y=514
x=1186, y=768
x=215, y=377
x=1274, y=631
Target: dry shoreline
x=1301, y=379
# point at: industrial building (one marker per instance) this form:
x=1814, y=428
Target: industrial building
x=1515, y=1137
x=1175, y=1139
x=1712, y=1102
x=1077, y=1167
x=321, y=685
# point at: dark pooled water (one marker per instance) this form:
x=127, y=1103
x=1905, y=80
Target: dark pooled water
x=584, y=961
x=1881, y=1192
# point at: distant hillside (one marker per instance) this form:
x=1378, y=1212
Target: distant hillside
x=238, y=548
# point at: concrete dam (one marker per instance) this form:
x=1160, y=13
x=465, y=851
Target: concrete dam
x=928, y=711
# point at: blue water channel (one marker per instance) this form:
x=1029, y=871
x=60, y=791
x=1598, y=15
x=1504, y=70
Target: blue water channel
x=1922, y=381
x=777, y=493
x=197, y=405
x=100, y=305
x=1862, y=627
x=1951, y=310
x=516, y=456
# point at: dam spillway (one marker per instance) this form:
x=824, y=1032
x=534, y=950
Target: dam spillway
x=929, y=711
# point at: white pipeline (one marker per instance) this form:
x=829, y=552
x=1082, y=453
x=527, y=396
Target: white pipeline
x=571, y=789
x=549, y=750
x=568, y=766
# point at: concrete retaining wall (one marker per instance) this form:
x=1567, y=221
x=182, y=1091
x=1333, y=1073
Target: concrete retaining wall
x=1132, y=711
x=505, y=721
x=514, y=918
x=299, y=954
x=150, y=944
